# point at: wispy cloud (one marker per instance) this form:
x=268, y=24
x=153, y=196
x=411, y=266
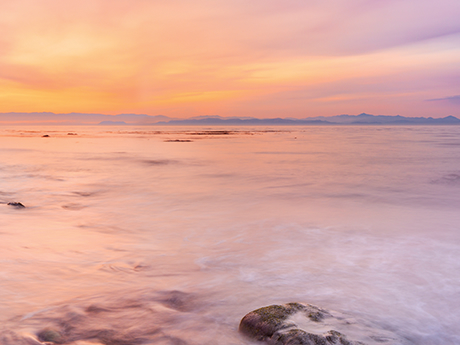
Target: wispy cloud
x=452, y=99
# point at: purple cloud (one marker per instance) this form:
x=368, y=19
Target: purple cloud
x=452, y=99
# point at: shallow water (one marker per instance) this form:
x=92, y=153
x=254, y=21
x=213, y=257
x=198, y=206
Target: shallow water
x=167, y=235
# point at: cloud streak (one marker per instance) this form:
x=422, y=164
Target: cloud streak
x=452, y=99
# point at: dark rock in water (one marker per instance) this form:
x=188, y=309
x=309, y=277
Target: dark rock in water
x=178, y=141
x=300, y=324
x=45, y=136
x=16, y=204
x=261, y=324
x=51, y=336
x=176, y=300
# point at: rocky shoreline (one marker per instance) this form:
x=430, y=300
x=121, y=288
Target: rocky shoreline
x=161, y=318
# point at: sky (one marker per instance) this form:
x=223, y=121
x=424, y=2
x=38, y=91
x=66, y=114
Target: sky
x=260, y=58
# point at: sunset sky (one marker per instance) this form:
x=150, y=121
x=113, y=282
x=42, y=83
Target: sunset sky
x=261, y=58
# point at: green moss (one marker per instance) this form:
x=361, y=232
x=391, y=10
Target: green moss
x=316, y=316
x=296, y=306
x=274, y=313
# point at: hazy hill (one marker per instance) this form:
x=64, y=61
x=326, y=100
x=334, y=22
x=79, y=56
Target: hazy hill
x=361, y=119
x=46, y=118
x=385, y=119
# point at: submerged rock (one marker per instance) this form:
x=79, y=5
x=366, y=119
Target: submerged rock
x=178, y=141
x=16, y=204
x=50, y=335
x=305, y=324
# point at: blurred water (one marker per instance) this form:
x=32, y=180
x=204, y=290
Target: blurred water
x=167, y=235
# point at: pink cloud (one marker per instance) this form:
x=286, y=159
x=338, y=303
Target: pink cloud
x=149, y=54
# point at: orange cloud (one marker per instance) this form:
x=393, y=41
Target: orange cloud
x=184, y=58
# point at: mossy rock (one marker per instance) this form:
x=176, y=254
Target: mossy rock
x=50, y=335
x=273, y=324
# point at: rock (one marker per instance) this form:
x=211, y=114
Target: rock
x=45, y=136
x=278, y=325
x=178, y=141
x=50, y=335
x=16, y=204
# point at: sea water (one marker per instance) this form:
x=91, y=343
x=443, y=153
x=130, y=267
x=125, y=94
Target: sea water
x=170, y=235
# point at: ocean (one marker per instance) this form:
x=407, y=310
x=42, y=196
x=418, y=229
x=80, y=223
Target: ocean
x=170, y=235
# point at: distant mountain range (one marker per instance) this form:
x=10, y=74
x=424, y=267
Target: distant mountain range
x=46, y=118
x=361, y=119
